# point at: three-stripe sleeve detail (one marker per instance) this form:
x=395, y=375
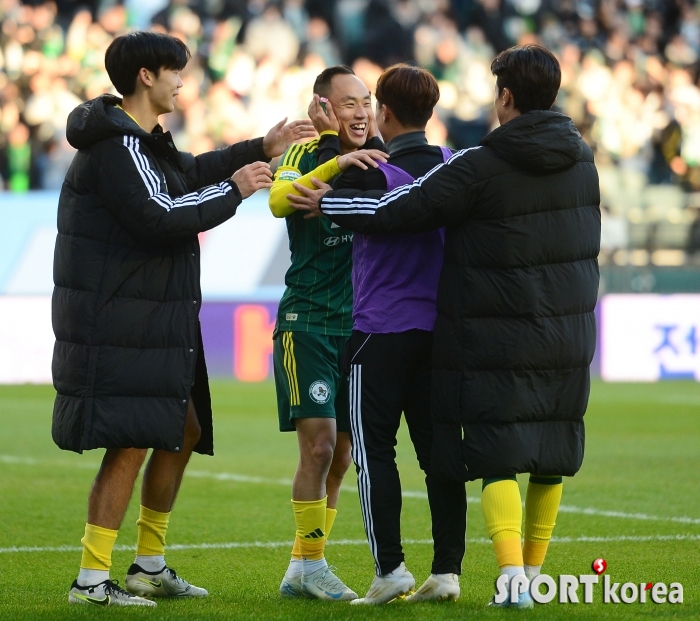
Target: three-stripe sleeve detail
x=290, y=366
x=152, y=181
x=367, y=206
x=359, y=456
x=292, y=157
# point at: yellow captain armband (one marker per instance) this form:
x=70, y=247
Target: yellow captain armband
x=286, y=176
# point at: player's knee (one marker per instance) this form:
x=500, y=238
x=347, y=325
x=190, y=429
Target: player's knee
x=320, y=454
x=342, y=461
x=193, y=432
x=127, y=461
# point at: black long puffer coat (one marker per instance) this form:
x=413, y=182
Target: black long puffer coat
x=515, y=333
x=126, y=302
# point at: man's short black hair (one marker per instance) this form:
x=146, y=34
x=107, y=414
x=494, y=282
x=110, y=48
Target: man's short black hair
x=531, y=73
x=322, y=85
x=126, y=55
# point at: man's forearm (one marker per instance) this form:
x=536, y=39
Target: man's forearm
x=246, y=152
x=216, y=166
x=408, y=209
x=279, y=203
x=338, y=206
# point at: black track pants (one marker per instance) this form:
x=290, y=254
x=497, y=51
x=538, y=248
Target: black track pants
x=390, y=374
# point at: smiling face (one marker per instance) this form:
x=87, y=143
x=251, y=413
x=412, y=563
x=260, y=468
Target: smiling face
x=351, y=103
x=164, y=90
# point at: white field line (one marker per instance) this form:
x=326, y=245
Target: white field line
x=243, y=478
x=347, y=542
x=668, y=400
x=628, y=516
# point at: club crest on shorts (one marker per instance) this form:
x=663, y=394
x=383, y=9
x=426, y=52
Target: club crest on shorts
x=320, y=392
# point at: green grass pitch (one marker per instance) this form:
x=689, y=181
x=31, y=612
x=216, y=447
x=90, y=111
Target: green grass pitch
x=636, y=503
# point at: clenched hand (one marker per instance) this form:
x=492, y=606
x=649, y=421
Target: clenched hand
x=252, y=178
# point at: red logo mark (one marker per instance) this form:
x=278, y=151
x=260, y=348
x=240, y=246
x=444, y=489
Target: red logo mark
x=599, y=565
x=648, y=586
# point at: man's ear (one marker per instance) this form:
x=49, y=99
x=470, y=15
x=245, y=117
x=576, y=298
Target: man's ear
x=145, y=77
x=507, y=98
x=386, y=112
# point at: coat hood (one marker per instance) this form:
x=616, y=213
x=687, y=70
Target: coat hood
x=99, y=119
x=541, y=142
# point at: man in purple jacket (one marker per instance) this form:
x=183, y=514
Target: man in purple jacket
x=395, y=280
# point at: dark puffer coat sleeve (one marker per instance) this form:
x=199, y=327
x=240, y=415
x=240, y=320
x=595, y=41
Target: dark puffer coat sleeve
x=133, y=189
x=211, y=167
x=431, y=202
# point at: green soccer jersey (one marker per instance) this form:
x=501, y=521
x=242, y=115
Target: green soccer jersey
x=318, y=297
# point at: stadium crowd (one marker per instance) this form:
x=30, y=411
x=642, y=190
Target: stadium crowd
x=630, y=82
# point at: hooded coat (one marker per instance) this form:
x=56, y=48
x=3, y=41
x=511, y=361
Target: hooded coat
x=125, y=308
x=515, y=333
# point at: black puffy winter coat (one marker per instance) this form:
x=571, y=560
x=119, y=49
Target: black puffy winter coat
x=515, y=333
x=126, y=302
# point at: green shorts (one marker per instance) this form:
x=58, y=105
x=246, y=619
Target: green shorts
x=308, y=379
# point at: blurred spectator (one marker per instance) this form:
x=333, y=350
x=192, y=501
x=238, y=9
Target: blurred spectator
x=18, y=159
x=53, y=163
x=385, y=41
x=693, y=245
x=613, y=233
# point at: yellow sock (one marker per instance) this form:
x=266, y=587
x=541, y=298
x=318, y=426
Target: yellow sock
x=152, y=528
x=310, y=519
x=541, y=508
x=330, y=520
x=296, y=548
x=503, y=514
x=98, y=543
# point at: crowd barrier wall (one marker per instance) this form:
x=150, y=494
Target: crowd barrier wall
x=641, y=338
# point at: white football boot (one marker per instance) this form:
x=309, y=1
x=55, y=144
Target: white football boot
x=163, y=583
x=388, y=587
x=324, y=584
x=291, y=586
x=437, y=587
x=107, y=593
x=525, y=601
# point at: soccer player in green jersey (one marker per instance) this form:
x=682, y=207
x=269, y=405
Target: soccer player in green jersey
x=314, y=321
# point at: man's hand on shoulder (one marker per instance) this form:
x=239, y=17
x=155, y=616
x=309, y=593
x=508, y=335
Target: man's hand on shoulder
x=282, y=136
x=252, y=178
x=362, y=159
x=310, y=200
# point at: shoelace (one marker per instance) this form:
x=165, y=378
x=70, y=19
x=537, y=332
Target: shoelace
x=175, y=576
x=112, y=588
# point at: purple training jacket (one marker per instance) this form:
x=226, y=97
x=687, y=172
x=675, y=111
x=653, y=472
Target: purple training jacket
x=395, y=276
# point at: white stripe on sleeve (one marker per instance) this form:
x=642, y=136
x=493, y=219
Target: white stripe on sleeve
x=368, y=206
x=151, y=180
